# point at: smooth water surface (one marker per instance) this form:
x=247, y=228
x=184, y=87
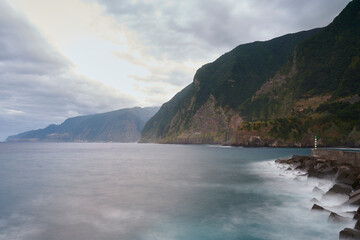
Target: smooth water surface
x=85, y=191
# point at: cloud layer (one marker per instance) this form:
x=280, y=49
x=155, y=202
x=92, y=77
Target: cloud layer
x=38, y=85
x=190, y=29
x=150, y=49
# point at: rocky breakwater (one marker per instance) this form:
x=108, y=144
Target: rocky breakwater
x=345, y=179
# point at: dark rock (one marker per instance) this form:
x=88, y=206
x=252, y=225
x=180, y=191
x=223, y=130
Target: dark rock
x=281, y=161
x=340, y=189
x=297, y=165
x=336, y=218
x=355, y=193
x=319, y=166
x=321, y=173
x=357, y=225
x=349, y=233
x=356, y=184
x=355, y=200
x=318, y=208
x=289, y=169
x=346, y=175
x=309, y=163
x=356, y=216
x=313, y=173
x=297, y=158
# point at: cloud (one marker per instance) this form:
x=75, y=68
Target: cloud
x=191, y=29
x=163, y=36
x=158, y=45
x=38, y=85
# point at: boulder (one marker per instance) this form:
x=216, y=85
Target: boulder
x=346, y=175
x=355, y=193
x=297, y=165
x=328, y=172
x=349, y=233
x=336, y=218
x=282, y=161
x=355, y=200
x=309, y=163
x=357, y=225
x=316, y=207
x=297, y=158
x=313, y=173
x=340, y=189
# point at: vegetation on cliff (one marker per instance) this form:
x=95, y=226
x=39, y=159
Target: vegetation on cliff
x=280, y=92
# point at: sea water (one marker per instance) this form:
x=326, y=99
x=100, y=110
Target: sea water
x=112, y=191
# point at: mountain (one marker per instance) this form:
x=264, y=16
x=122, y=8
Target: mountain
x=281, y=92
x=123, y=125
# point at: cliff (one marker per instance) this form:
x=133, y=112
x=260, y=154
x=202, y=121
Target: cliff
x=123, y=125
x=280, y=92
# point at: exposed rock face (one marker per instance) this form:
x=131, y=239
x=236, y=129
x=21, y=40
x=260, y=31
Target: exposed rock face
x=208, y=125
x=211, y=124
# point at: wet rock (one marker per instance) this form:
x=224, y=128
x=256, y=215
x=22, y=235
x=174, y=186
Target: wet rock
x=281, y=161
x=297, y=158
x=340, y=189
x=313, y=173
x=357, y=214
x=357, y=225
x=328, y=172
x=297, y=165
x=317, y=207
x=355, y=193
x=319, y=166
x=349, y=233
x=355, y=200
x=336, y=218
x=346, y=175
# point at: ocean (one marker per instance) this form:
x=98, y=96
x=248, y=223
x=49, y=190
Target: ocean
x=112, y=191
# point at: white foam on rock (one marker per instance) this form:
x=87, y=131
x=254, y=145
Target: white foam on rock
x=296, y=185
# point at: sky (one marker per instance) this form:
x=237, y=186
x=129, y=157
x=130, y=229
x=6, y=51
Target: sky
x=60, y=59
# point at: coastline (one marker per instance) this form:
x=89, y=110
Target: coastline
x=340, y=201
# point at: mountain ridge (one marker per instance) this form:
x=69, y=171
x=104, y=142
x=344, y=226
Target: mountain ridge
x=123, y=125
x=249, y=94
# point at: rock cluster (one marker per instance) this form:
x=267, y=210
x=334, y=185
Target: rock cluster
x=346, y=178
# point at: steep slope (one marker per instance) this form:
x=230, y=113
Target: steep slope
x=218, y=90
x=123, y=125
x=270, y=93
x=318, y=94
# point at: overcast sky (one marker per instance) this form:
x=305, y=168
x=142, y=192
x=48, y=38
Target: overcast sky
x=65, y=58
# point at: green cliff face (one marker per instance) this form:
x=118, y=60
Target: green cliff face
x=280, y=92
x=220, y=87
x=123, y=125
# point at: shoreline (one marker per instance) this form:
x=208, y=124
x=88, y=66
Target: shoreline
x=345, y=186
